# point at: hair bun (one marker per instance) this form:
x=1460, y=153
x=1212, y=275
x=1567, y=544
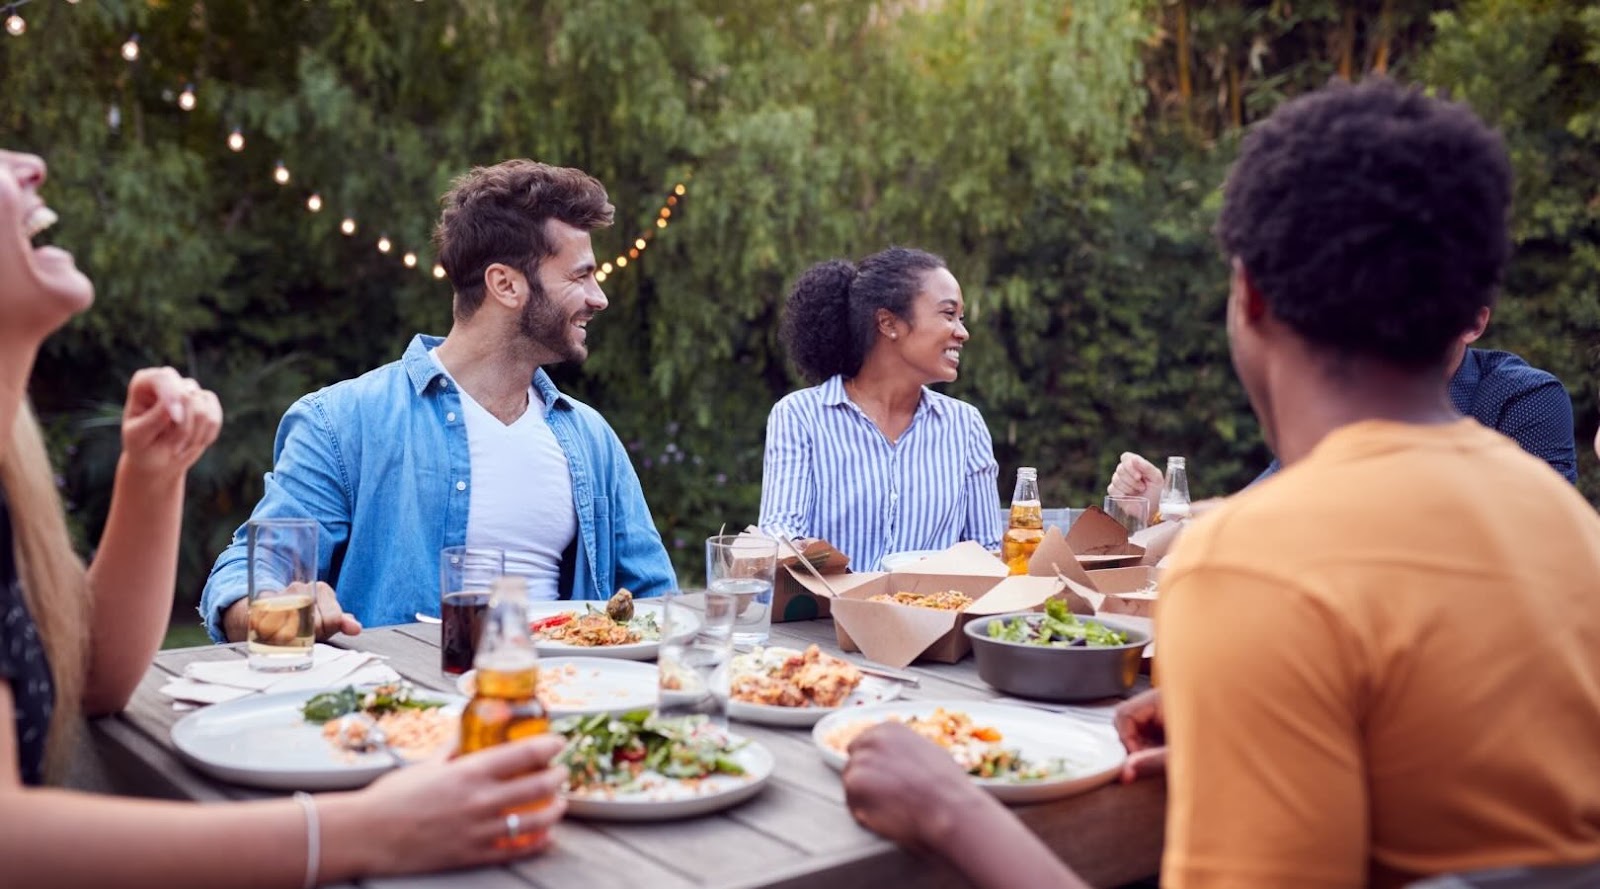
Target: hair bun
x=816, y=320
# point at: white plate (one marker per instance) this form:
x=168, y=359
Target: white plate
x=262, y=741
x=899, y=560
x=1093, y=755
x=579, y=686
x=872, y=690
x=638, y=651
x=680, y=799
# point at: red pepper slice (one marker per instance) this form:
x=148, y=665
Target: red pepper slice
x=554, y=620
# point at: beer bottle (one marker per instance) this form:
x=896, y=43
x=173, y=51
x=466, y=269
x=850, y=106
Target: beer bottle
x=505, y=706
x=1026, y=527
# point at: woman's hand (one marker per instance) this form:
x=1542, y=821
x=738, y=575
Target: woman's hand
x=167, y=422
x=441, y=815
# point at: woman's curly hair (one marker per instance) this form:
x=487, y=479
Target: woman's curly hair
x=831, y=318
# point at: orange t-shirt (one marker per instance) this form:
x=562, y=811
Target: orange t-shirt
x=1383, y=664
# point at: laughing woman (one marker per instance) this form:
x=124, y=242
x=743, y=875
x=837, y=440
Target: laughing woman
x=869, y=458
x=76, y=641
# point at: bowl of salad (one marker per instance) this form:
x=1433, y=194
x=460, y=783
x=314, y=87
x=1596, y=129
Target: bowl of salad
x=1055, y=655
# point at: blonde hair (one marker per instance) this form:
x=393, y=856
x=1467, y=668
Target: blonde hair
x=55, y=585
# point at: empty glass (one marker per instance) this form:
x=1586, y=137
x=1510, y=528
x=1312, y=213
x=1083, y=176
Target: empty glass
x=1132, y=512
x=696, y=648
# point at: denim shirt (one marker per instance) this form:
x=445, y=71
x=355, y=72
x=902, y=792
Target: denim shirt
x=381, y=462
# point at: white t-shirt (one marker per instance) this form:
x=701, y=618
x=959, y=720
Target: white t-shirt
x=521, y=499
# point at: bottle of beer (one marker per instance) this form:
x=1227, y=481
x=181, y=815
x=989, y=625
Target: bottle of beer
x=1026, y=527
x=504, y=705
x=1175, y=492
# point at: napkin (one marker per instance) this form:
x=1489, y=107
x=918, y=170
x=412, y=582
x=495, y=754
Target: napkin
x=213, y=682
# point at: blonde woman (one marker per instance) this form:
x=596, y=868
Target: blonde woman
x=76, y=641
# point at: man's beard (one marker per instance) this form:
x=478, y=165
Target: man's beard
x=544, y=327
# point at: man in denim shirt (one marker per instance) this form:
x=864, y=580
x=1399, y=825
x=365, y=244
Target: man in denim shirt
x=465, y=440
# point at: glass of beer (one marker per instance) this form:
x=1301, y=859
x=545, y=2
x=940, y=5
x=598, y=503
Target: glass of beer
x=466, y=574
x=283, y=577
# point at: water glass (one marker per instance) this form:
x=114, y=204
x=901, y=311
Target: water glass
x=695, y=656
x=744, y=566
x=1132, y=512
x=465, y=575
x=283, y=575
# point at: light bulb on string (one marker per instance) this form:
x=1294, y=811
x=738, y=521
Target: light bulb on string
x=348, y=226
x=16, y=26
x=661, y=223
x=186, y=98
x=280, y=174
x=599, y=277
x=438, y=271
x=672, y=201
x=666, y=212
x=639, y=244
x=236, y=140
x=384, y=244
x=410, y=260
x=605, y=269
x=622, y=262
x=680, y=189
x=314, y=203
x=130, y=48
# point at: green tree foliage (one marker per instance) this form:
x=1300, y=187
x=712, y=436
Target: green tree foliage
x=1065, y=157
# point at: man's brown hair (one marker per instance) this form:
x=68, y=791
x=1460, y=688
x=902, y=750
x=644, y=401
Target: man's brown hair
x=498, y=214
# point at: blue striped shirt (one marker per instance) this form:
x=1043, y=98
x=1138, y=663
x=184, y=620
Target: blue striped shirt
x=829, y=472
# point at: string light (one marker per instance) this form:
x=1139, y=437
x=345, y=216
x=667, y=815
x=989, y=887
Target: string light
x=639, y=244
x=600, y=277
x=15, y=25
x=410, y=260
x=348, y=226
x=186, y=98
x=130, y=48
x=384, y=244
x=314, y=203
x=280, y=174
x=622, y=262
x=438, y=271
x=236, y=140
x=666, y=212
x=605, y=268
x=661, y=223
x=679, y=190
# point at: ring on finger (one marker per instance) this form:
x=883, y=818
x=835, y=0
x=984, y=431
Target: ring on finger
x=513, y=826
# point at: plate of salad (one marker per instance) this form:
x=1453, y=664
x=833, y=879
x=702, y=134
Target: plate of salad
x=291, y=740
x=638, y=766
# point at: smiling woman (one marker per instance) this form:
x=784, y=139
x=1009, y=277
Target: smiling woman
x=870, y=459
x=76, y=641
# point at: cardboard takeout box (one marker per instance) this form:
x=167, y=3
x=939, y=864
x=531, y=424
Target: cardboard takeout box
x=895, y=635
x=793, y=597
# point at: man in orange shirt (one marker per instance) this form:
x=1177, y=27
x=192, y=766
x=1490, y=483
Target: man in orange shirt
x=1384, y=663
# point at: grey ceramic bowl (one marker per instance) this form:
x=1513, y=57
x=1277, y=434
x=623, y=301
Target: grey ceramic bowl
x=1057, y=674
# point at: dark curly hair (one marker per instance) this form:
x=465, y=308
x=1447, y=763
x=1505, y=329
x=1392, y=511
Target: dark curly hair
x=831, y=318
x=498, y=214
x=1372, y=219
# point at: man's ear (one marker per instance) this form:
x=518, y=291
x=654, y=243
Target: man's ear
x=505, y=285
x=1479, y=325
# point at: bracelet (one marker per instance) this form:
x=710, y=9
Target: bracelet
x=313, y=836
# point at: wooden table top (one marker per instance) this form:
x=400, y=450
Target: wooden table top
x=795, y=833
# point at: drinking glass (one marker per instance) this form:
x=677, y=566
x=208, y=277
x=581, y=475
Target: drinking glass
x=696, y=651
x=283, y=575
x=465, y=575
x=744, y=566
x=1132, y=512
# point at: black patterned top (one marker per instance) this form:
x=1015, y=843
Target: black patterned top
x=22, y=662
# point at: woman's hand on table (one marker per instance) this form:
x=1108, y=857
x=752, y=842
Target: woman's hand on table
x=168, y=421
x=1142, y=729
x=445, y=814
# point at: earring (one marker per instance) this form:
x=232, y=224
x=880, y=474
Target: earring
x=894, y=336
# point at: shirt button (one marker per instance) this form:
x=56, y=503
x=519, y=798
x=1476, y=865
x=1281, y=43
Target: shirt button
x=461, y=486
x=451, y=417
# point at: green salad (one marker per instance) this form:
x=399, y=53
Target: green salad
x=1056, y=628
x=374, y=702
x=620, y=753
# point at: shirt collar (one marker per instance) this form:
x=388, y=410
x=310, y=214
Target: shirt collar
x=423, y=370
x=1464, y=381
x=833, y=395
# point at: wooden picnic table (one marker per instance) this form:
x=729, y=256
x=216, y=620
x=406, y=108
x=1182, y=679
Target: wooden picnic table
x=796, y=833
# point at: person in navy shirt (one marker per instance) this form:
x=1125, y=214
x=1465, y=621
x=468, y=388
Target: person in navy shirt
x=1498, y=389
